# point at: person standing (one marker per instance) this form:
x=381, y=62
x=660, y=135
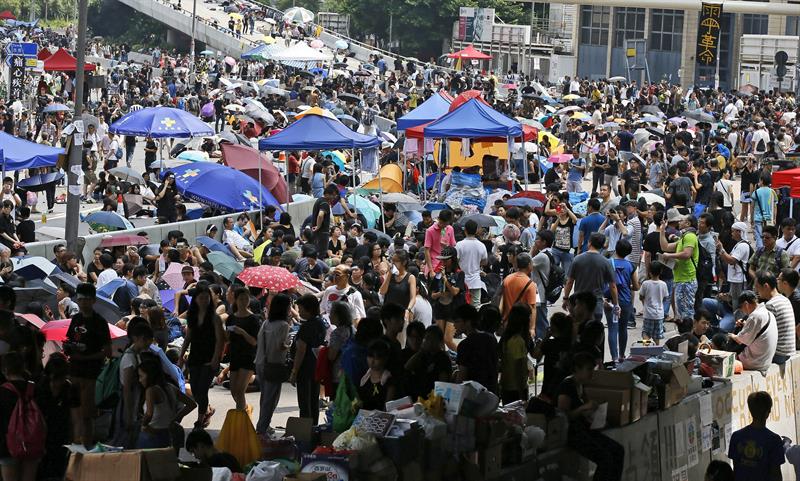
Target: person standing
x=472, y=256
x=591, y=272
x=310, y=336
x=242, y=326
x=765, y=204
x=756, y=451
x=206, y=338
x=589, y=224
x=438, y=236
x=577, y=167
x=271, y=368
x=519, y=288
x=540, y=273
x=321, y=220
x=736, y=261
x=686, y=253
x=88, y=345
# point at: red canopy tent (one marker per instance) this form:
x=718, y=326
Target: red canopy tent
x=464, y=97
x=44, y=54
x=62, y=61
x=470, y=53
x=7, y=15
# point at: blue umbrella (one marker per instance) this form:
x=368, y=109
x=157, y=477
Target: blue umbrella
x=221, y=187
x=104, y=221
x=195, y=214
x=168, y=299
x=161, y=122
x=34, y=267
x=111, y=287
x=339, y=210
x=319, y=71
x=524, y=201
x=53, y=108
x=434, y=206
x=213, y=245
x=40, y=182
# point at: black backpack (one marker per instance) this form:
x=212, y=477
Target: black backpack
x=555, y=281
x=705, y=265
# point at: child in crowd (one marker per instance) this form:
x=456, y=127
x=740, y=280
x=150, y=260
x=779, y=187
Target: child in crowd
x=757, y=452
x=627, y=282
x=653, y=293
x=377, y=386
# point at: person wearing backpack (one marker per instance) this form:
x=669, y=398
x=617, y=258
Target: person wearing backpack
x=707, y=243
x=736, y=261
x=765, y=203
x=164, y=404
x=23, y=430
x=543, y=264
x=768, y=257
x=310, y=336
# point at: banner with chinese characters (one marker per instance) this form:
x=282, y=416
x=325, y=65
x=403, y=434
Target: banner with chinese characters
x=16, y=80
x=708, y=33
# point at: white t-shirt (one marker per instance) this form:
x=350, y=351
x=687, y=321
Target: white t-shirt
x=726, y=187
x=471, y=252
x=354, y=300
x=793, y=243
x=740, y=252
x=307, y=168
x=652, y=293
x=231, y=237
x=105, y=277
x=423, y=312
x=760, y=350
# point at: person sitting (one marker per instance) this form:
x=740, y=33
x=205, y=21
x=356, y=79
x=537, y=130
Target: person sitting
x=239, y=246
x=758, y=335
x=199, y=443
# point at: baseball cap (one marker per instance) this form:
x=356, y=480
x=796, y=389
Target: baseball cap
x=673, y=215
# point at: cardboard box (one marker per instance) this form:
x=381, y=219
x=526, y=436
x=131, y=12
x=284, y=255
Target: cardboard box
x=647, y=351
x=195, y=473
x=306, y=477
x=557, y=428
x=454, y=395
x=489, y=431
x=639, y=399
x=490, y=461
x=721, y=362
x=403, y=449
x=675, y=387
x=333, y=466
x=134, y=465
x=460, y=433
x=619, y=404
x=302, y=429
x=604, y=379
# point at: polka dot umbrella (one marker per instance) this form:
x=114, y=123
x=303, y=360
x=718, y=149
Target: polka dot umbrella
x=269, y=277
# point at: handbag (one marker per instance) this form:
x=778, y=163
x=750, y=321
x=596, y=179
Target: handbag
x=276, y=372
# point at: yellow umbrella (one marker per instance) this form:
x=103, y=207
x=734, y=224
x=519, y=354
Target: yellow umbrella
x=316, y=111
x=268, y=40
x=550, y=137
x=581, y=116
x=235, y=16
x=258, y=252
x=570, y=97
x=390, y=179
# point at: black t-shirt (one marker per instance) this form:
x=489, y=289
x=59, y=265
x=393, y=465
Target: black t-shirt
x=551, y=177
x=87, y=335
x=599, y=162
x=652, y=244
x=324, y=206
x=706, y=187
x=239, y=347
x=150, y=157
x=421, y=380
x=632, y=177
x=613, y=167
x=478, y=353
x=7, y=226
x=556, y=363
x=26, y=231
x=749, y=179
x=312, y=332
x=569, y=387
x=225, y=460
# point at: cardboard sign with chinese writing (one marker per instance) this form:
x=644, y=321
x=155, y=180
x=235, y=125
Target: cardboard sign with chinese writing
x=708, y=33
x=16, y=78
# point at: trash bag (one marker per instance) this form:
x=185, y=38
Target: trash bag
x=343, y=410
x=238, y=437
x=267, y=471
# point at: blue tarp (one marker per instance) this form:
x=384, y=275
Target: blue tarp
x=314, y=132
x=430, y=110
x=473, y=120
x=17, y=154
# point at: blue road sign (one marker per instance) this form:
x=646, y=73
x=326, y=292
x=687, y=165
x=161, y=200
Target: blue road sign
x=25, y=49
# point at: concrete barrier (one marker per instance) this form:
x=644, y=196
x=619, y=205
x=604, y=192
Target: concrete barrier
x=642, y=448
x=190, y=228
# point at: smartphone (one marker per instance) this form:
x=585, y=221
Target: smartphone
x=230, y=328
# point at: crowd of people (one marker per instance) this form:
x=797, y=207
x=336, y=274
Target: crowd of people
x=392, y=309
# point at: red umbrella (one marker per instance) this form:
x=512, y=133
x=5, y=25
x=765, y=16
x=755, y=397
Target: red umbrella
x=7, y=15
x=124, y=240
x=57, y=330
x=33, y=319
x=250, y=161
x=269, y=277
x=529, y=194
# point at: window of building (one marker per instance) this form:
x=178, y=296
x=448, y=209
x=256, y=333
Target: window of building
x=755, y=24
x=628, y=24
x=594, y=25
x=666, y=30
x=792, y=25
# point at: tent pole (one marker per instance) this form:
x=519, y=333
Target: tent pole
x=525, y=162
x=260, y=196
x=424, y=178
x=383, y=215
x=288, y=187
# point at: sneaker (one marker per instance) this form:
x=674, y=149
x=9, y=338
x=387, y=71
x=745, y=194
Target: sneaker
x=631, y=325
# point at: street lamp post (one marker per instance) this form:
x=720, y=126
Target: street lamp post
x=73, y=187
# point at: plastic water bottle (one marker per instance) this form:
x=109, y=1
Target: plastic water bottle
x=120, y=206
x=44, y=217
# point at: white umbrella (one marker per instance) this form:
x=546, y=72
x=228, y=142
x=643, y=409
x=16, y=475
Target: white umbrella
x=235, y=108
x=298, y=15
x=271, y=21
x=617, y=79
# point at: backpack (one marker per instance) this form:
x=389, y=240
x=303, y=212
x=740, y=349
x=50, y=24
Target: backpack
x=555, y=281
x=118, y=153
x=704, y=266
x=778, y=265
x=27, y=430
x=108, y=386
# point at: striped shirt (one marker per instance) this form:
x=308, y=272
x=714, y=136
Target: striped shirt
x=782, y=309
x=634, y=227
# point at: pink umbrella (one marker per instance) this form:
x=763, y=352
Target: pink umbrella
x=250, y=161
x=207, y=110
x=273, y=278
x=317, y=43
x=173, y=276
x=57, y=330
x=230, y=61
x=559, y=158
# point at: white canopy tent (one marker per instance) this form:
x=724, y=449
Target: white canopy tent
x=301, y=52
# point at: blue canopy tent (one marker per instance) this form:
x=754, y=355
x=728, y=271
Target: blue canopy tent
x=18, y=154
x=475, y=119
x=315, y=132
x=433, y=108
x=221, y=187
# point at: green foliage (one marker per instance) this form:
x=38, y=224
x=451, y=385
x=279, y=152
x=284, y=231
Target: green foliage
x=56, y=9
x=419, y=25
x=283, y=5
x=119, y=23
